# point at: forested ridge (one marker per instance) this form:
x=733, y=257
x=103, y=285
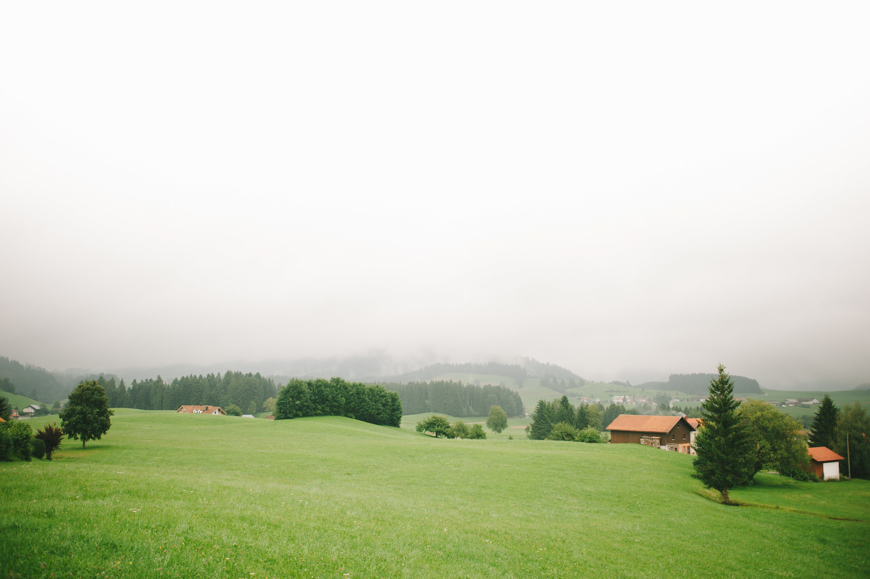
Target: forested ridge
x=247, y=391
x=33, y=381
x=455, y=398
x=699, y=384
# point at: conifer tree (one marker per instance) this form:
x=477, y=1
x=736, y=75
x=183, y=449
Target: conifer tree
x=724, y=448
x=542, y=421
x=822, y=432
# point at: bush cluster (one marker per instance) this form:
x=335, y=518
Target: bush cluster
x=336, y=397
x=440, y=426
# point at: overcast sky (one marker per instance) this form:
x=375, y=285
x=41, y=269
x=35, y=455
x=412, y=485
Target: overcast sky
x=625, y=189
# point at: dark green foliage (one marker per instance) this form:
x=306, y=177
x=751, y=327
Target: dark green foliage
x=852, y=442
x=5, y=409
x=87, y=415
x=458, y=430
x=6, y=385
x=437, y=425
x=37, y=448
x=589, y=435
x=237, y=388
x=39, y=382
x=52, y=436
x=518, y=373
x=477, y=432
x=5, y=442
x=725, y=453
x=581, y=421
x=336, y=397
x=801, y=475
x=564, y=412
x=824, y=427
x=20, y=435
x=563, y=431
x=233, y=410
x=542, y=421
x=456, y=398
x=776, y=438
x=497, y=420
x=697, y=384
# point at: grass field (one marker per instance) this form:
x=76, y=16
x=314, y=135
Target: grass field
x=18, y=401
x=166, y=495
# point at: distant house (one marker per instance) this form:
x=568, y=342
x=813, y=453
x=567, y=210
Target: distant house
x=15, y=416
x=824, y=463
x=667, y=432
x=192, y=409
x=27, y=412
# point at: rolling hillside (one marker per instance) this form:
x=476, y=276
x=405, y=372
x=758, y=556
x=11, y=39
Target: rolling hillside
x=204, y=496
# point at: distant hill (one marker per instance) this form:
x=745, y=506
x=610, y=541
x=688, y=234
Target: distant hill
x=699, y=384
x=33, y=381
x=530, y=368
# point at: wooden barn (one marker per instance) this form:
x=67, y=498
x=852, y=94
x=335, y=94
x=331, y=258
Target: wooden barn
x=669, y=432
x=824, y=462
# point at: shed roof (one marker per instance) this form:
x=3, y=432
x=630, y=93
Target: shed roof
x=823, y=454
x=641, y=423
x=191, y=408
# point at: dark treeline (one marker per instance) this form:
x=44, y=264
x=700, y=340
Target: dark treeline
x=560, y=385
x=335, y=397
x=514, y=371
x=456, y=398
x=560, y=411
x=699, y=384
x=33, y=381
x=542, y=369
x=247, y=391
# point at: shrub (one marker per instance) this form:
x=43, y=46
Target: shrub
x=37, y=448
x=5, y=442
x=21, y=434
x=801, y=475
x=52, y=436
x=458, y=430
x=589, y=434
x=477, y=432
x=233, y=410
x=563, y=431
x=437, y=425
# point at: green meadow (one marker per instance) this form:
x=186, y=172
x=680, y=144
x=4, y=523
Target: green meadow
x=17, y=400
x=166, y=495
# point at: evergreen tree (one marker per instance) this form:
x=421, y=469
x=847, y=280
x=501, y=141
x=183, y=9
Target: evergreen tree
x=542, y=421
x=5, y=409
x=565, y=412
x=582, y=419
x=851, y=441
x=824, y=424
x=725, y=453
x=594, y=415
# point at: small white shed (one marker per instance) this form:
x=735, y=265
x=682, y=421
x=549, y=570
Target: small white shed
x=824, y=462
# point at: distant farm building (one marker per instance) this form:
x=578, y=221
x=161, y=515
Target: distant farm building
x=824, y=463
x=665, y=432
x=191, y=409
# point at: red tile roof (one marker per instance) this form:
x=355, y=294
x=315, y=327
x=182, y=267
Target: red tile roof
x=641, y=423
x=199, y=409
x=823, y=454
x=695, y=422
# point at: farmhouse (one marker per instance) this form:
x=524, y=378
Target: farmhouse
x=824, y=463
x=667, y=432
x=192, y=409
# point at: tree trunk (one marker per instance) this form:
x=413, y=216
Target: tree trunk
x=725, y=496
x=83, y=443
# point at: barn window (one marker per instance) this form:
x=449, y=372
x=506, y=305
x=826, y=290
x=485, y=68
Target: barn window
x=684, y=436
x=673, y=436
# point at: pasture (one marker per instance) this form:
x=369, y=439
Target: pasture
x=166, y=495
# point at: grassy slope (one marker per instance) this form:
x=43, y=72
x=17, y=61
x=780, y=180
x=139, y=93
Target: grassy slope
x=202, y=496
x=18, y=401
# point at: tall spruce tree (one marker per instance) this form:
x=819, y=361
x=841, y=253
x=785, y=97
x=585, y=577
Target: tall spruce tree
x=822, y=432
x=725, y=456
x=542, y=421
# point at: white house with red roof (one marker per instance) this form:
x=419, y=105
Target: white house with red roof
x=198, y=409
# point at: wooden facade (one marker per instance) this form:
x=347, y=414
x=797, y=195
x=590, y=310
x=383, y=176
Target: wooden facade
x=670, y=430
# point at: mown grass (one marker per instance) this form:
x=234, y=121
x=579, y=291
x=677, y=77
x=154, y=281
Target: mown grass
x=202, y=496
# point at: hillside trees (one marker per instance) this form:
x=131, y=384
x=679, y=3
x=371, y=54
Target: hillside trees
x=437, y=425
x=824, y=427
x=542, y=421
x=725, y=457
x=335, y=397
x=455, y=398
x=5, y=409
x=776, y=438
x=497, y=420
x=87, y=415
x=851, y=442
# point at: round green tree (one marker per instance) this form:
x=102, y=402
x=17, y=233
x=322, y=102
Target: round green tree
x=87, y=415
x=497, y=420
x=437, y=425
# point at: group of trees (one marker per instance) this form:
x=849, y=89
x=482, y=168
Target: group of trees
x=336, y=397
x=560, y=420
x=739, y=440
x=845, y=433
x=87, y=417
x=31, y=381
x=456, y=398
x=560, y=385
x=246, y=391
x=439, y=426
